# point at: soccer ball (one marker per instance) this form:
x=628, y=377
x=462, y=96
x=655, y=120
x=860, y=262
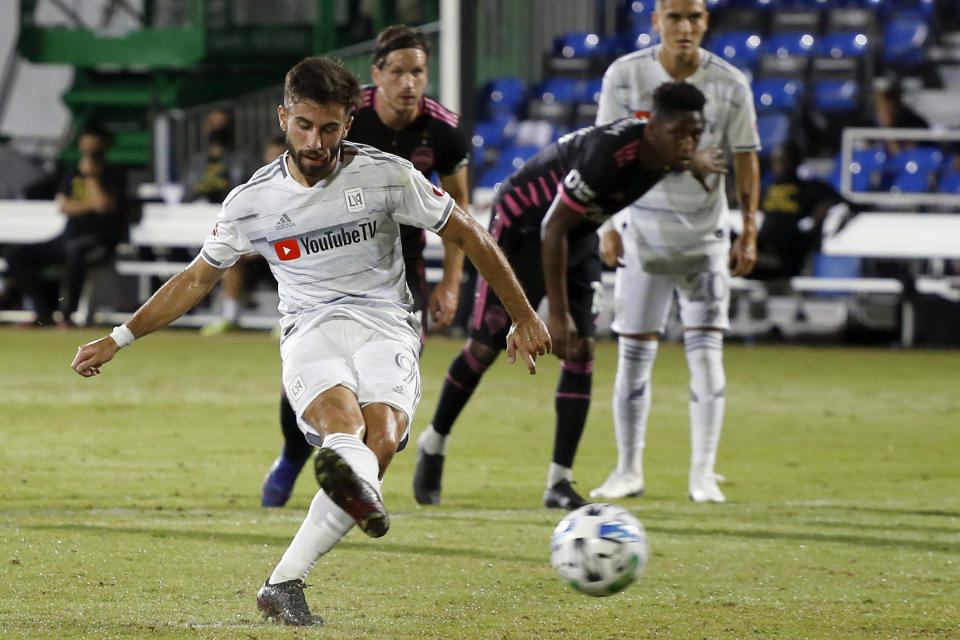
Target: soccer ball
x=599, y=549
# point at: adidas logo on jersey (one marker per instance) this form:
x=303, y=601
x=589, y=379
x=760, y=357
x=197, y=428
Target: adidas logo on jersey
x=285, y=222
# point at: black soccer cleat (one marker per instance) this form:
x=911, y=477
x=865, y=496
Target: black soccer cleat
x=562, y=496
x=351, y=493
x=427, y=476
x=284, y=602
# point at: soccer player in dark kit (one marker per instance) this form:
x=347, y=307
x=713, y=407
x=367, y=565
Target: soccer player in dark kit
x=395, y=116
x=593, y=173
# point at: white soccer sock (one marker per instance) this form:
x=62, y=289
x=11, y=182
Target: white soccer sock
x=708, y=385
x=324, y=526
x=359, y=456
x=432, y=442
x=632, y=390
x=557, y=473
x=230, y=309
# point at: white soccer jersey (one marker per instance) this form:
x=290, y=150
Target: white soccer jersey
x=334, y=248
x=677, y=217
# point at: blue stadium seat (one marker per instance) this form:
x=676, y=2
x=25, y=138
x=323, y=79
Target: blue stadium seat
x=919, y=159
x=790, y=43
x=835, y=266
x=950, y=182
x=773, y=94
x=563, y=90
x=865, y=168
x=905, y=39
x=488, y=134
x=580, y=44
x=494, y=176
x=739, y=48
x=504, y=97
x=774, y=130
x=911, y=170
x=843, y=44
x=637, y=14
x=589, y=91
x=513, y=157
x=836, y=95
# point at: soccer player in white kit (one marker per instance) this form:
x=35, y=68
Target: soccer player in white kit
x=326, y=217
x=676, y=238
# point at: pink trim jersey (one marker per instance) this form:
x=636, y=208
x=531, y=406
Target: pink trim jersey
x=677, y=217
x=334, y=248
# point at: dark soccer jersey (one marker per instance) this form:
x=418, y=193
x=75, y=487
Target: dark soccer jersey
x=433, y=142
x=597, y=169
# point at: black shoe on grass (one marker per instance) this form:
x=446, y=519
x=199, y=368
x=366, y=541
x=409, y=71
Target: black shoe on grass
x=427, y=477
x=351, y=493
x=285, y=603
x=562, y=496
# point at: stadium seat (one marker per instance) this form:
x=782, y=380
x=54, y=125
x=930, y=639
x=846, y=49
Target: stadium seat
x=865, y=168
x=795, y=18
x=775, y=94
x=905, y=39
x=836, y=95
x=774, y=130
x=503, y=98
x=537, y=133
x=739, y=48
x=579, y=44
x=835, y=266
x=493, y=176
x=950, y=182
x=790, y=43
x=488, y=134
x=911, y=170
x=554, y=100
x=843, y=44
x=513, y=157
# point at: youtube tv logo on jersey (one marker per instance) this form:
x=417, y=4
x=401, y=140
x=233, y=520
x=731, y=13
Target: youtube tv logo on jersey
x=287, y=249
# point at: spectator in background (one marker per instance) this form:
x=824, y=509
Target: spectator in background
x=794, y=210
x=239, y=278
x=212, y=173
x=891, y=112
x=92, y=198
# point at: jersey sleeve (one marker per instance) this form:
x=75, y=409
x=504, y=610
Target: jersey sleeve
x=613, y=98
x=422, y=203
x=741, y=131
x=225, y=244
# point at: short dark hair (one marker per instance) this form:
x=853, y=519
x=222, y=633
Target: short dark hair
x=398, y=36
x=673, y=98
x=323, y=81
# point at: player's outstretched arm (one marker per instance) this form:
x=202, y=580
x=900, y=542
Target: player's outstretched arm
x=177, y=296
x=558, y=222
x=528, y=336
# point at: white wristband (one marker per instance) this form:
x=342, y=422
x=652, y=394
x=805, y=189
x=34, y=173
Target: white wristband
x=122, y=336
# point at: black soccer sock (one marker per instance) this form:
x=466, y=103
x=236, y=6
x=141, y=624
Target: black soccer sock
x=572, y=402
x=295, y=446
x=462, y=378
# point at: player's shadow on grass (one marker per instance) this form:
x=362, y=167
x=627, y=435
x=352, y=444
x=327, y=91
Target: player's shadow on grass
x=284, y=540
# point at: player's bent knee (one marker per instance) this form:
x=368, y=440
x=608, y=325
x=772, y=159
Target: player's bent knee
x=581, y=350
x=336, y=410
x=484, y=353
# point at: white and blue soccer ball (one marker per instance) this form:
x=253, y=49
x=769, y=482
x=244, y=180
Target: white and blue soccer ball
x=599, y=549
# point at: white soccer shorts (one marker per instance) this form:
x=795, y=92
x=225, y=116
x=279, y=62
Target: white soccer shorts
x=642, y=300
x=376, y=365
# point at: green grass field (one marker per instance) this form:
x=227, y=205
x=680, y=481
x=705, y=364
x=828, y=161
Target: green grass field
x=130, y=501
